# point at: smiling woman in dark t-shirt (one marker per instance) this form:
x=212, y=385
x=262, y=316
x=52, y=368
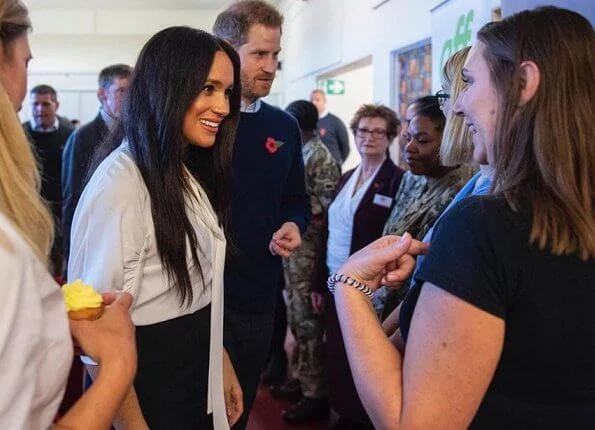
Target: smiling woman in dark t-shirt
x=502, y=332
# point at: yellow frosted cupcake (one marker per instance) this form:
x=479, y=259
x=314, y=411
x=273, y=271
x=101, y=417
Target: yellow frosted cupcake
x=82, y=301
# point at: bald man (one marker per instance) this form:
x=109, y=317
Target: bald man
x=331, y=129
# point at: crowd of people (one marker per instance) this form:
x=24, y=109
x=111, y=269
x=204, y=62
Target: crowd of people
x=450, y=290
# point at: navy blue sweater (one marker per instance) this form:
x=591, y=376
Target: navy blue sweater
x=268, y=189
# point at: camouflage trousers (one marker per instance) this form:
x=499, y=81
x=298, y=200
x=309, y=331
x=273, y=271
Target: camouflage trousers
x=308, y=361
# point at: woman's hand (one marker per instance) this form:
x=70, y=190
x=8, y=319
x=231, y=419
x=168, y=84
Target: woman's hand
x=234, y=398
x=390, y=260
x=110, y=341
x=110, y=337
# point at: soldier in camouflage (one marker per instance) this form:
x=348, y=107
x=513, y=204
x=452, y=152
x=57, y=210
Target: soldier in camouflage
x=308, y=364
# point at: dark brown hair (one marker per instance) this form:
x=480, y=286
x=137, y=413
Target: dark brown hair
x=43, y=89
x=544, y=150
x=377, y=111
x=234, y=22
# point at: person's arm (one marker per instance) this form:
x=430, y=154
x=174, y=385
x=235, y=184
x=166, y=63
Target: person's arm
x=322, y=175
x=128, y=415
x=20, y=316
x=97, y=407
x=342, y=139
x=454, y=349
x=295, y=204
x=455, y=341
x=110, y=341
x=108, y=235
x=234, y=398
x=71, y=186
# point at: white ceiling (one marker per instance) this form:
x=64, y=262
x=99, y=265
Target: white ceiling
x=126, y=4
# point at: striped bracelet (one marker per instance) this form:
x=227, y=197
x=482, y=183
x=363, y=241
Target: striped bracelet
x=337, y=277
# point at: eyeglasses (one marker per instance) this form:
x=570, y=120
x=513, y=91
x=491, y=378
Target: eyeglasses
x=442, y=96
x=364, y=132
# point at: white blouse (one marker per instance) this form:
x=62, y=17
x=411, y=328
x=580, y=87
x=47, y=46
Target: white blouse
x=113, y=248
x=340, y=219
x=35, y=344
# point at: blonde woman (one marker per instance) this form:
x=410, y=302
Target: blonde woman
x=35, y=341
x=456, y=148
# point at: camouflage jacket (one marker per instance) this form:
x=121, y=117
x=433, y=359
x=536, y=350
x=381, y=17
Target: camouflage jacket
x=418, y=203
x=322, y=175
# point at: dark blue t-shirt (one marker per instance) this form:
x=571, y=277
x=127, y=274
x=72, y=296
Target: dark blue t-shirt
x=481, y=253
x=268, y=189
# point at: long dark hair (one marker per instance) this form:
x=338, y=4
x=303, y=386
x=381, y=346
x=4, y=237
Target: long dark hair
x=170, y=73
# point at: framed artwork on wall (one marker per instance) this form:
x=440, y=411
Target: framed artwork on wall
x=411, y=74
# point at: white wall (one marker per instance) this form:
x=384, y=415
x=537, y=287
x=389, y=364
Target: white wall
x=71, y=64
x=359, y=89
x=70, y=47
x=322, y=35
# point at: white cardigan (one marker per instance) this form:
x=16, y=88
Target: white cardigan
x=113, y=248
x=35, y=342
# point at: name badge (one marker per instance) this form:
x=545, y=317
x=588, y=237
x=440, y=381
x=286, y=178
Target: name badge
x=383, y=201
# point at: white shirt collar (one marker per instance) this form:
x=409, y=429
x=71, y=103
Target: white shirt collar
x=39, y=128
x=323, y=114
x=252, y=107
x=107, y=118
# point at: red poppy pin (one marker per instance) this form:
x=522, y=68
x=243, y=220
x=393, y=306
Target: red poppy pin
x=273, y=145
x=322, y=132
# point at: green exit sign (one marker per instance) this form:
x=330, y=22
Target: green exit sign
x=333, y=86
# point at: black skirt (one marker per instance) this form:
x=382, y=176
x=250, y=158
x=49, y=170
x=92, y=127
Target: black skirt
x=172, y=377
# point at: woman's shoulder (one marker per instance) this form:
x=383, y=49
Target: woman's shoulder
x=346, y=175
x=462, y=174
x=316, y=152
x=482, y=204
x=411, y=184
x=11, y=242
x=488, y=215
x=17, y=256
x=389, y=169
x=116, y=178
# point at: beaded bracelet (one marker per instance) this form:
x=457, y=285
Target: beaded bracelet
x=337, y=277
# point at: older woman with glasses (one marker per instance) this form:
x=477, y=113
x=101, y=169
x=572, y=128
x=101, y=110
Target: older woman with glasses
x=362, y=204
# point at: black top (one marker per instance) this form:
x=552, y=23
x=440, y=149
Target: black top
x=76, y=159
x=268, y=189
x=334, y=135
x=47, y=148
x=546, y=375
